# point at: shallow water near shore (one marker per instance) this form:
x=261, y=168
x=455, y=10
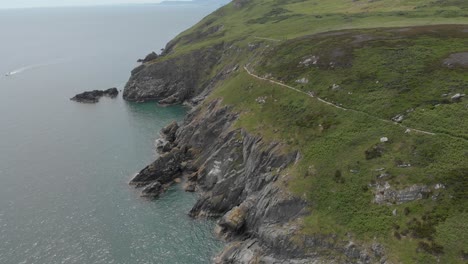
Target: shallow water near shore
x=64, y=166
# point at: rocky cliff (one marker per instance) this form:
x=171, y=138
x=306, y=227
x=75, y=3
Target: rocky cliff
x=240, y=179
x=327, y=147
x=172, y=80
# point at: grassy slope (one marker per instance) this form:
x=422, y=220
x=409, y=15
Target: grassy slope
x=381, y=72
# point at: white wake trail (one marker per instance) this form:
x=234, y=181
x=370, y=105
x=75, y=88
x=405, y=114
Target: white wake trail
x=34, y=66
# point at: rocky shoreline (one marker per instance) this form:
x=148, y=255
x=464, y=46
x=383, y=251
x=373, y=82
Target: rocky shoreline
x=239, y=177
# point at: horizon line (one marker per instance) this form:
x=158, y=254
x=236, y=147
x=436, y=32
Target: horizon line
x=94, y=5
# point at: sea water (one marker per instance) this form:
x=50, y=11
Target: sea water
x=64, y=166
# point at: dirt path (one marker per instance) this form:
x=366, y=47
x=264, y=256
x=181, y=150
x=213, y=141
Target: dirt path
x=408, y=129
x=270, y=39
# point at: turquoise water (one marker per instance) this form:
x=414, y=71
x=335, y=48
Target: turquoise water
x=64, y=166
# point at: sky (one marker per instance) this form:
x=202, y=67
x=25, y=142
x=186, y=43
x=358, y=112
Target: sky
x=47, y=3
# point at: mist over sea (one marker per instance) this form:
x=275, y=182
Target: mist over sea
x=64, y=166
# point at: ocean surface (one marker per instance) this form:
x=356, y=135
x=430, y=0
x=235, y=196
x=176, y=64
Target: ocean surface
x=64, y=166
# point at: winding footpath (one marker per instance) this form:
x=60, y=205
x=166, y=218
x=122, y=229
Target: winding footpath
x=408, y=129
x=270, y=39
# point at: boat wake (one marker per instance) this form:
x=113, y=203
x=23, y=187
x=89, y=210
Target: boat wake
x=33, y=66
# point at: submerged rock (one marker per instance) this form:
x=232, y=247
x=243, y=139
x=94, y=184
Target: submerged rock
x=94, y=96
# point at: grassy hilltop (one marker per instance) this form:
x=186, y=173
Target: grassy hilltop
x=372, y=61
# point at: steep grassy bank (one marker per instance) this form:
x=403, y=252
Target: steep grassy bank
x=370, y=94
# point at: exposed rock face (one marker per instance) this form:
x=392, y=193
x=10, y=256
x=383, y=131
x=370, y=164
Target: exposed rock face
x=173, y=80
x=152, y=190
x=239, y=178
x=385, y=194
x=94, y=96
x=149, y=57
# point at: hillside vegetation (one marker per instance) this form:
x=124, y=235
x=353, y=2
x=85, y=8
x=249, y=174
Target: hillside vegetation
x=376, y=116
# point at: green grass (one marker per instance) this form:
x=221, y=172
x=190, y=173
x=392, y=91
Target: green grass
x=382, y=72
x=383, y=68
x=332, y=140
x=283, y=19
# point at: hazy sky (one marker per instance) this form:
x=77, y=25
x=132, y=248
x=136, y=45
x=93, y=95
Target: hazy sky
x=41, y=3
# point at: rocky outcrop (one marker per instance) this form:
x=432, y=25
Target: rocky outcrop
x=385, y=194
x=172, y=80
x=149, y=57
x=94, y=96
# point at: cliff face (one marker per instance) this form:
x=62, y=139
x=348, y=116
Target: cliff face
x=240, y=179
x=172, y=80
x=354, y=108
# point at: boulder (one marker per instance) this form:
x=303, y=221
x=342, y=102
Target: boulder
x=234, y=219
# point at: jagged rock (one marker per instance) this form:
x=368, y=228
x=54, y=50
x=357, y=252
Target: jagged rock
x=173, y=80
x=149, y=57
x=165, y=142
x=160, y=144
x=166, y=148
x=164, y=170
x=385, y=194
x=170, y=131
x=152, y=190
x=94, y=96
